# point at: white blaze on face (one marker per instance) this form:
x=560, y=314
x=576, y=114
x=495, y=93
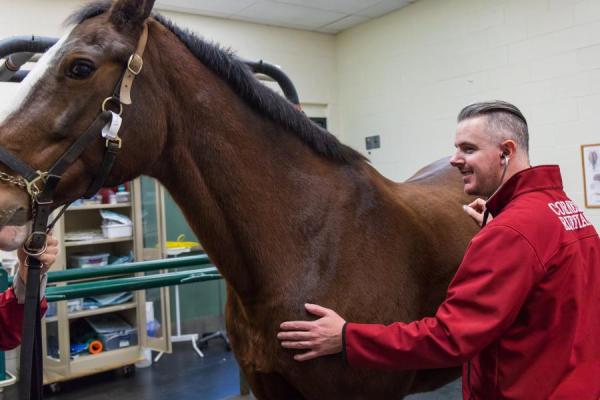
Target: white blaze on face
x=32, y=78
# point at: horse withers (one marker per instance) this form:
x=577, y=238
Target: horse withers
x=287, y=213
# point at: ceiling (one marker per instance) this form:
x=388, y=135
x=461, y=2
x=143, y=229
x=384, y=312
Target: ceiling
x=330, y=16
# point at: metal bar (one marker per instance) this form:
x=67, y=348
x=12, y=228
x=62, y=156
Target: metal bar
x=277, y=74
x=17, y=50
x=3, y=286
x=39, y=44
x=31, y=44
x=126, y=268
x=78, y=290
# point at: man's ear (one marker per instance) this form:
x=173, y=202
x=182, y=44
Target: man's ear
x=130, y=13
x=509, y=148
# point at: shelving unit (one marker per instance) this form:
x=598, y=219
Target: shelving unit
x=59, y=329
x=100, y=206
x=96, y=311
x=98, y=241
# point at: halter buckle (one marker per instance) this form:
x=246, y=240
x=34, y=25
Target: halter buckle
x=135, y=64
x=32, y=187
x=35, y=253
x=114, y=100
x=116, y=140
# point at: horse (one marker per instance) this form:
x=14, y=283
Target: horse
x=286, y=212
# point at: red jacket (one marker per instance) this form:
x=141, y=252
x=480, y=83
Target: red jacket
x=523, y=307
x=11, y=319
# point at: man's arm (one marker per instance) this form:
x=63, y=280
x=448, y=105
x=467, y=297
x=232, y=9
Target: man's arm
x=20, y=288
x=12, y=299
x=484, y=298
x=12, y=309
x=11, y=320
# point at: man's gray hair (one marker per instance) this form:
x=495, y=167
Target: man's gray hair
x=501, y=117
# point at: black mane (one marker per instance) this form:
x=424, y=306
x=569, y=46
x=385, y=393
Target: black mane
x=88, y=11
x=242, y=81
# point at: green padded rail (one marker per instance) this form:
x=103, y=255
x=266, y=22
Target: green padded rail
x=83, y=289
x=125, y=268
x=3, y=286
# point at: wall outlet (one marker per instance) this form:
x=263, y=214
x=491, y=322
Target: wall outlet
x=372, y=142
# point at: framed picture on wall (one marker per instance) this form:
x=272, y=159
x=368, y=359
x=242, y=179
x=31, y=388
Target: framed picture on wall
x=590, y=159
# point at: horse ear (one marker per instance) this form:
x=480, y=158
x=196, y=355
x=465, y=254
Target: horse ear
x=130, y=12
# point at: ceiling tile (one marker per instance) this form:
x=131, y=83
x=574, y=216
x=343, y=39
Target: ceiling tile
x=383, y=7
x=329, y=16
x=275, y=13
x=343, y=23
x=342, y=6
x=205, y=7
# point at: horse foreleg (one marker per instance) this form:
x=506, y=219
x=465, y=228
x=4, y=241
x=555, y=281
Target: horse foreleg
x=271, y=386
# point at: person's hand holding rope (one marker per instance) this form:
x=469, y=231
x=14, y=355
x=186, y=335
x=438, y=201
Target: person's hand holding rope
x=47, y=258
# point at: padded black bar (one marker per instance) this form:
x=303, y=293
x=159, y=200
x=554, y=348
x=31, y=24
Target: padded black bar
x=288, y=88
x=29, y=44
x=39, y=44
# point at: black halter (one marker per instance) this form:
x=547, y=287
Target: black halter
x=41, y=186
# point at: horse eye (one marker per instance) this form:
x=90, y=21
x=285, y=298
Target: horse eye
x=81, y=69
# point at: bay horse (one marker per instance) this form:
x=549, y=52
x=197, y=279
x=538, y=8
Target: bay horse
x=286, y=212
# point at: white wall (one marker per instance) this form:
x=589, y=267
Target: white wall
x=406, y=76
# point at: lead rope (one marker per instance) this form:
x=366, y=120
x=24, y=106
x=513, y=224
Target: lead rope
x=60, y=214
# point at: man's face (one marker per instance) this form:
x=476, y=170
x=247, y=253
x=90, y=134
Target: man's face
x=477, y=157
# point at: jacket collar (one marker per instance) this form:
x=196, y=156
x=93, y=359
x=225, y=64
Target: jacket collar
x=538, y=178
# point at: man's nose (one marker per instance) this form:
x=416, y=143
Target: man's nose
x=455, y=161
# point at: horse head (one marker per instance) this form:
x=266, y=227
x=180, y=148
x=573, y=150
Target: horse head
x=75, y=87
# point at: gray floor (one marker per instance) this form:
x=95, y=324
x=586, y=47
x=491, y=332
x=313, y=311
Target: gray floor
x=182, y=376
x=452, y=391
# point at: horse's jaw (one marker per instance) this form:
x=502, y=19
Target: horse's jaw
x=15, y=205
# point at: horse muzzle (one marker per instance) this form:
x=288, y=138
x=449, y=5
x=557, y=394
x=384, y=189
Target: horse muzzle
x=14, y=216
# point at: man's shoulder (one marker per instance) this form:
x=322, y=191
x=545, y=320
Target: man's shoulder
x=526, y=212
x=546, y=220
x=550, y=210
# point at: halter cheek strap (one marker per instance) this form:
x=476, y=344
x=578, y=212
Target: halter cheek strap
x=134, y=67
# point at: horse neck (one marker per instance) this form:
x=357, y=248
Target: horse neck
x=250, y=206
x=252, y=192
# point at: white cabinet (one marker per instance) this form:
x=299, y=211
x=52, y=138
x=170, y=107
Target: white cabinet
x=66, y=325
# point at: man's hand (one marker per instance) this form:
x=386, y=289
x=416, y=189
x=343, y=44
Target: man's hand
x=476, y=210
x=47, y=258
x=320, y=337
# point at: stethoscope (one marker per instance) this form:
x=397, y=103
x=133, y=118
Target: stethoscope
x=486, y=213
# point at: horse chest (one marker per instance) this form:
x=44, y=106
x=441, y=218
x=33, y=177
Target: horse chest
x=252, y=337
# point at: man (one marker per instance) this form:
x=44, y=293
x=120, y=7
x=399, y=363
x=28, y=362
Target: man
x=12, y=300
x=522, y=313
